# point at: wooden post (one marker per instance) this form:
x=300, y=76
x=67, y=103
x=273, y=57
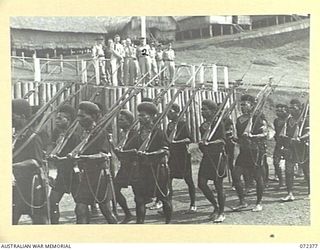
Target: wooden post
x=61, y=63
x=201, y=75
x=143, y=27
x=31, y=86
x=226, y=77
x=36, y=94
x=55, y=53
x=214, y=78
x=37, y=69
x=221, y=29
x=47, y=63
x=193, y=72
x=200, y=33
x=84, y=75
x=277, y=20
x=210, y=30
x=97, y=71
x=23, y=60
x=18, y=90
x=77, y=69
x=231, y=29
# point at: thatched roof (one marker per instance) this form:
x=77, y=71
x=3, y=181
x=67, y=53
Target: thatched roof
x=98, y=24
x=117, y=23
x=59, y=24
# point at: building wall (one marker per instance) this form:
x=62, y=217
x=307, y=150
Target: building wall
x=32, y=39
x=221, y=19
x=195, y=22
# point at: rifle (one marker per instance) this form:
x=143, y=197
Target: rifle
x=145, y=145
x=183, y=111
x=207, y=135
x=26, y=128
x=73, y=127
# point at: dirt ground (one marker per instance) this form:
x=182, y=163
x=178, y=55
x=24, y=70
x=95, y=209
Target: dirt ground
x=269, y=56
x=274, y=212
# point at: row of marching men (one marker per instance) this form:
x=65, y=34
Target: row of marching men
x=121, y=62
x=149, y=157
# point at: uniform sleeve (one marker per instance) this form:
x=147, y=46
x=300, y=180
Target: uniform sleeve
x=36, y=150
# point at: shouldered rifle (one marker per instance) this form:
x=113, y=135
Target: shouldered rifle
x=206, y=136
x=73, y=127
x=24, y=130
x=146, y=143
x=263, y=94
x=181, y=114
x=301, y=120
x=156, y=101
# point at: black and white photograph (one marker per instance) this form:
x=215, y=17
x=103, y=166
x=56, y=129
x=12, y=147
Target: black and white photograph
x=160, y=120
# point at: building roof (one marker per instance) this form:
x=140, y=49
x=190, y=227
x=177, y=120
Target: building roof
x=95, y=24
x=59, y=24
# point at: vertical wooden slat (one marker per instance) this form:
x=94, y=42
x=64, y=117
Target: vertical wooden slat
x=30, y=88
x=18, y=90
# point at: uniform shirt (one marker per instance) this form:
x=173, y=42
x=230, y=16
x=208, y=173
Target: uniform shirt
x=100, y=145
x=98, y=50
x=278, y=124
x=24, y=175
x=34, y=150
x=159, y=55
x=158, y=141
x=130, y=52
x=182, y=132
x=258, y=124
x=292, y=126
x=143, y=50
x=153, y=53
x=219, y=133
x=168, y=55
x=118, y=48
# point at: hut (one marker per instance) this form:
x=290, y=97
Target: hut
x=191, y=27
x=259, y=21
x=54, y=35
x=161, y=28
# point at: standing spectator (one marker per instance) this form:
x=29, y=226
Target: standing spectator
x=143, y=55
x=160, y=62
x=118, y=47
x=131, y=66
x=153, y=52
x=168, y=57
x=98, y=54
x=109, y=56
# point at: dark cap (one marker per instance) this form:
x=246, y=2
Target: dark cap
x=248, y=98
x=281, y=105
x=21, y=107
x=175, y=107
x=69, y=110
x=210, y=104
x=89, y=107
x=295, y=102
x=128, y=114
x=116, y=35
x=148, y=107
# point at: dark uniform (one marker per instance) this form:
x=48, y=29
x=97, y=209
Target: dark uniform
x=180, y=159
x=94, y=182
x=29, y=194
x=296, y=152
x=251, y=159
x=213, y=163
x=66, y=180
x=278, y=124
